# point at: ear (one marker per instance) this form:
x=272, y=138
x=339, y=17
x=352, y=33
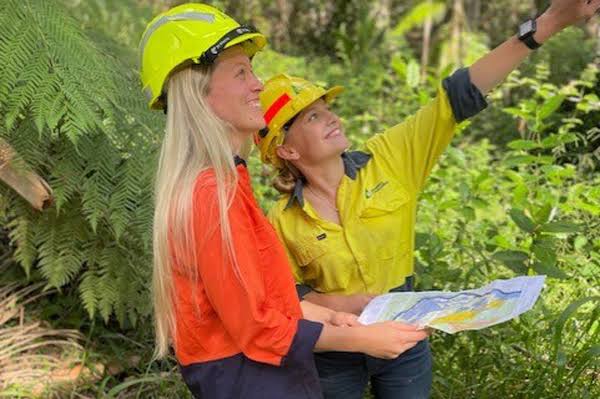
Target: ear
x=287, y=152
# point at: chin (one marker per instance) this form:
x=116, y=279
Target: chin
x=339, y=149
x=258, y=126
x=252, y=126
x=343, y=144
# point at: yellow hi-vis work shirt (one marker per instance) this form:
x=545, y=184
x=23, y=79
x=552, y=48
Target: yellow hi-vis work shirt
x=371, y=251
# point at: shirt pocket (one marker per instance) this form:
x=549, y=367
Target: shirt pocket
x=385, y=217
x=320, y=266
x=274, y=267
x=387, y=200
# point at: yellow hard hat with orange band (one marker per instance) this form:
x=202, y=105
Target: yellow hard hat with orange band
x=282, y=99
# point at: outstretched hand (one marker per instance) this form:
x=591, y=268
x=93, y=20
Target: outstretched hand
x=570, y=12
x=491, y=69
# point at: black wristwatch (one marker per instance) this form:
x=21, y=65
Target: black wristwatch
x=526, y=32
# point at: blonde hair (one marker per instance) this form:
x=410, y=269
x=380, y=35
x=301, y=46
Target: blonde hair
x=195, y=140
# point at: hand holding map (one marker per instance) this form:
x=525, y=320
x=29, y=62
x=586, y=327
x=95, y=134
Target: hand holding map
x=497, y=302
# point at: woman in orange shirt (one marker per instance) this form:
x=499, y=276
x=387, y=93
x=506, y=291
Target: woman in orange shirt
x=223, y=292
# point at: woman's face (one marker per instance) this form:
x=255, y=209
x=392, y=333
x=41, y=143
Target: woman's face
x=316, y=134
x=233, y=91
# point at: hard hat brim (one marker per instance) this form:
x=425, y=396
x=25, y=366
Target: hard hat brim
x=257, y=39
x=332, y=93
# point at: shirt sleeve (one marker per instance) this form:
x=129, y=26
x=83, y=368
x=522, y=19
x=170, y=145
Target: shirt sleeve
x=235, y=288
x=410, y=149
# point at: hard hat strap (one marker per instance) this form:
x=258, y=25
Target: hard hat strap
x=209, y=56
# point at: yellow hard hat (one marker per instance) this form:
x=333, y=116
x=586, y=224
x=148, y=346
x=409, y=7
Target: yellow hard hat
x=194, y=33
x=283, y=98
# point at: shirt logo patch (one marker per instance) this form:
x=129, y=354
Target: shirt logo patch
x=322, y=236
x=378, y=187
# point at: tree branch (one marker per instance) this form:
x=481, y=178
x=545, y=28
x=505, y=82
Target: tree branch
x=26, y=183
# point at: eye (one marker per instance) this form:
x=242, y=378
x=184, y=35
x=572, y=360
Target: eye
x=312, y=116
x=241, y=72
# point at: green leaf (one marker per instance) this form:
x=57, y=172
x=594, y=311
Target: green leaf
x=517, y=160
x=419, y=14
x=560, y=227
x=514, y=176
x=558, y=139
x=399, y=66
x=514, y=260
x=522, y=220
x=580, y=242
x=523, y=145
x=516, y=112
x=549, y=270
x=562, y=320
x=545, y=241
x=421, y=239
x=511, y=256
x=593, y=352
x=113, y=393
x=561, y=358
x=520, y=194
x=413, y=74
x=480, y=203
x=545, y=255
x=468, y=213
x=543, y=213
x=550, y=106
x=449, y=204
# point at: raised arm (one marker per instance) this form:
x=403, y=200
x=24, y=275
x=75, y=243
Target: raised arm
x=494, y=67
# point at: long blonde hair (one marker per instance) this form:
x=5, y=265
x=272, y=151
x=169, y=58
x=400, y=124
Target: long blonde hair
x=195, y=140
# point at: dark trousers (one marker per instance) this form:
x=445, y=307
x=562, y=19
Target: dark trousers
x=345, y=375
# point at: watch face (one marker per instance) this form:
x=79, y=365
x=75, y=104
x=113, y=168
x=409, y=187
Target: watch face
x=525, y=28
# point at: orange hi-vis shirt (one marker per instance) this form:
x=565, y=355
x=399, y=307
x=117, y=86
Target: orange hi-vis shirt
x=216, y=316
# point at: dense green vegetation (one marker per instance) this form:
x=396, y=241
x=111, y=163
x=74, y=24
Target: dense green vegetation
x=518, y=191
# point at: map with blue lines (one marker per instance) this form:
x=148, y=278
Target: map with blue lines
x=497, y=302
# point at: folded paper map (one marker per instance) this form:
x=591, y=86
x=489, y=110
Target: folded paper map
x=497, y=302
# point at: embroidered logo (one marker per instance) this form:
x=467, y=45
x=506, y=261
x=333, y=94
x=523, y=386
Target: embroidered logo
x=322, y=236
x=378, y=187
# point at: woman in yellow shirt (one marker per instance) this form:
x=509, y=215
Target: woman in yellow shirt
x=347, y=217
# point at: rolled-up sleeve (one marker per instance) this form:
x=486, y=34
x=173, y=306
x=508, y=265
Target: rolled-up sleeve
x=301, y=350
x=410, y=149
x=302, y=290
x=465, y=98
x=235, y=287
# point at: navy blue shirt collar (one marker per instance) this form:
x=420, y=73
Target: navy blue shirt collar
x=239, y=161
x=353, y=162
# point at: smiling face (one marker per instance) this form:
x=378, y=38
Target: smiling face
x=316, y=135
x=233, y=91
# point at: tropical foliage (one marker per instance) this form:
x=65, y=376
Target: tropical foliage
x=518, y=191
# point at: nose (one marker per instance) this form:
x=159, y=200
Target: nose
x=256, y=84
x=332, y=117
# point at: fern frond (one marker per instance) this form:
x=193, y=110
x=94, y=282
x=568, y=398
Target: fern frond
x=88, y=291
x=65, y=178
x=59, y=259
x=75, y=115
x=21, y=235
